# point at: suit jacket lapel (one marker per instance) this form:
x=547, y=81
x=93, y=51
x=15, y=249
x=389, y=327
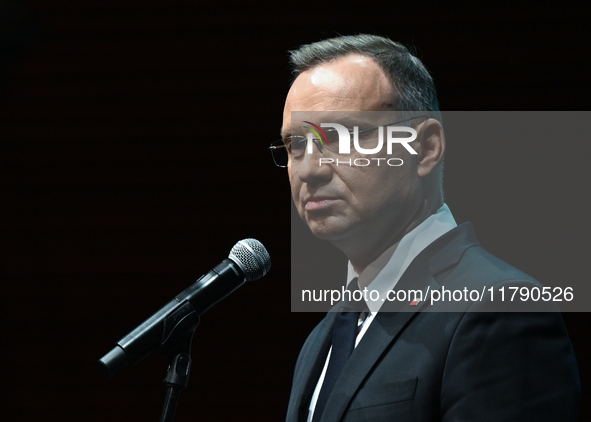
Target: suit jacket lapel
x=309, y=369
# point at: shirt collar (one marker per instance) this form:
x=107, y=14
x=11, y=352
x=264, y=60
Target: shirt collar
x=384, y=273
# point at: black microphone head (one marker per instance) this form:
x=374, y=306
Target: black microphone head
x=252, y=258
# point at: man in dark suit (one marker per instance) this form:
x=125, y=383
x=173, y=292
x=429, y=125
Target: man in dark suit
x=408, y=361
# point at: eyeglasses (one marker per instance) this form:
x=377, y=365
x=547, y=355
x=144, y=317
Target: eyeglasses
x=295, y=146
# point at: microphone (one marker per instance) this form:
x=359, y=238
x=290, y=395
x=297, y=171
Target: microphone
x=176, y=321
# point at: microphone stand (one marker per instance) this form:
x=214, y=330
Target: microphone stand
x=178, y=355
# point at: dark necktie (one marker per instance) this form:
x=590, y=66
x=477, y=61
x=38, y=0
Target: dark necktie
x=343, y=343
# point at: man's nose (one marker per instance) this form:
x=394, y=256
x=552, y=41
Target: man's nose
x=311, y=168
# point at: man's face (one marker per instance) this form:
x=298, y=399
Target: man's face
x=345, y=204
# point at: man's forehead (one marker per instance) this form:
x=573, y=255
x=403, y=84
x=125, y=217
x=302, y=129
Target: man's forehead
x=300, y=121
x=352, y=83
x=336, y=76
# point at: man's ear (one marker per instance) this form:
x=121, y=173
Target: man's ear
x=432, y=146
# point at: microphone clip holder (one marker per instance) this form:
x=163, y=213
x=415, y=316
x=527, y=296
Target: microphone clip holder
x=178, y=355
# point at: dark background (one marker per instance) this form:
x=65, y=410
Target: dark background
x=133, y=156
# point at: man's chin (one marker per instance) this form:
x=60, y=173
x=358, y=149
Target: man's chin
x=327, y=230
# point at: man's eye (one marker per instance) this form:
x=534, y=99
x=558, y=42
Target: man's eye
x=297, y=144
x=332, y=137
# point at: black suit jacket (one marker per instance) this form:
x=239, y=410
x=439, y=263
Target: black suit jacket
x=449, y=366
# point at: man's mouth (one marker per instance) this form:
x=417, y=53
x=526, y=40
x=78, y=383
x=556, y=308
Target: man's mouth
x=316, y=203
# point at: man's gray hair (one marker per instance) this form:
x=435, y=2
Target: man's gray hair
x=416, y=90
